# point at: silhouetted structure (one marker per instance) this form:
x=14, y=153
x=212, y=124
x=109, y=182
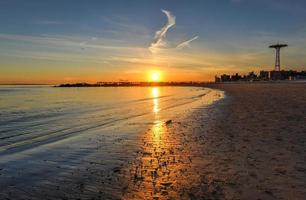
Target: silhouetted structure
x=276, y=74
x=263, y=76
x=225, y=78
x=133, y=84
x=251, y=76
x=277, y=47
x=236, y=77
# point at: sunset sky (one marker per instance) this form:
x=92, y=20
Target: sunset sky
x=90, y=41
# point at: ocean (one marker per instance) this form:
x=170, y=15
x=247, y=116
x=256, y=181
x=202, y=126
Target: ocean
x=47, y=133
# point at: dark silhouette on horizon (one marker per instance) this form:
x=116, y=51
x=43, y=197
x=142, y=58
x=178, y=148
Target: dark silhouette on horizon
x=133, y=84
x=277, y=48
x=282, y=75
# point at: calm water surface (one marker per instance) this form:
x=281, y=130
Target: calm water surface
x=52, y=135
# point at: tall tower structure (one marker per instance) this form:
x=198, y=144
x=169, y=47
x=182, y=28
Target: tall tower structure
x=277, y=47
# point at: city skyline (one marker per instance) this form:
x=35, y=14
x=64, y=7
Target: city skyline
x=73, y=41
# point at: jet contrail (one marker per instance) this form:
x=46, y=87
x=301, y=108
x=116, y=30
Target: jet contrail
x=186, y=43
x=159, y=39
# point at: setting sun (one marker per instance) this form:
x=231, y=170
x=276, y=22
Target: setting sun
x=155, y=76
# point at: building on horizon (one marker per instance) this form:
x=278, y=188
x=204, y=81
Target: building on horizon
x=263, y=76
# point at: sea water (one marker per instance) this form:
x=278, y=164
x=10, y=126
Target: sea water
x=48, y=133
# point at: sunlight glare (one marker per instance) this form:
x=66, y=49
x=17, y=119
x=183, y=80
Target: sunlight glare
x=154, y=76
x=155, y=94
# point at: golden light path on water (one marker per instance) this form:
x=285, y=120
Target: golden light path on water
x=155, y=167
x=157, y=129
x=165, y=166
x=155, y=94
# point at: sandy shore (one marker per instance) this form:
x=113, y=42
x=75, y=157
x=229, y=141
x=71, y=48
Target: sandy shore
x=250, y=145
x=259, y=141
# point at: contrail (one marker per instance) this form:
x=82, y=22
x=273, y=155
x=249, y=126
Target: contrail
x=159, y=39
x=186, y=43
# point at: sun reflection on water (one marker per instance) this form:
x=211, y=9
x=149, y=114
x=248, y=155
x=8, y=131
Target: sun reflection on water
x=155, y=95
x=155, y=92
x=157, y=128
x=169, y=154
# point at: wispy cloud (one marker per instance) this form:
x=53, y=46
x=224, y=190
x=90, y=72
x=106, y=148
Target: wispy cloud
x=160, y=41
x=160, y=36
x=69, y=41
x=186, y=43
x=68, y=49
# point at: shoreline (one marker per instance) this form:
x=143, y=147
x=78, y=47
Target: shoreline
x=173, y=84
x=242, y=147
x=248, y=145
x=159, y=84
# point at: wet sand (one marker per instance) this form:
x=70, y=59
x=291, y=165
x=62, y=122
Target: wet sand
x=250, y=145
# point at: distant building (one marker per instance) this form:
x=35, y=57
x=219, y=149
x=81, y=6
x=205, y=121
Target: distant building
x=275, y=75
x=300, y=76
x=236, y=77
x=225, y=78
x=251, y=76
x=264, y=75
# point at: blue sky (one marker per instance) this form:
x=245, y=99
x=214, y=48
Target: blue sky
x=68, y=41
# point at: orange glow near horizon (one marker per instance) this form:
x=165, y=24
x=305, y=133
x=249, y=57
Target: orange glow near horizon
x=160, y=74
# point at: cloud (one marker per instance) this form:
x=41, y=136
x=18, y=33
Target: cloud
x=160, y=41
x=160, y=36
x=186, y=43
x=70, y=41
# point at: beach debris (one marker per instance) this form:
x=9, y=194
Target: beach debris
x=168, y=122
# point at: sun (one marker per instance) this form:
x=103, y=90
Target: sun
x=155, y=76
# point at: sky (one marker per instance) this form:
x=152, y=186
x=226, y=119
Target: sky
x=90, y=41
